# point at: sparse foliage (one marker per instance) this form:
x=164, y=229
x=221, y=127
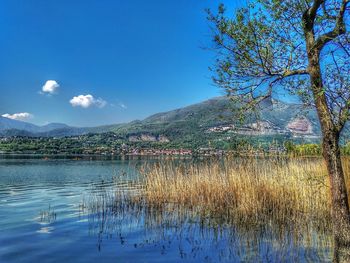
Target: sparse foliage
x=302, y=47
x=262, y=49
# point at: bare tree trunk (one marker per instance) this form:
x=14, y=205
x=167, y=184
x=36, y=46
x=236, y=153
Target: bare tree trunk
x=340, y=205
x=331, y=155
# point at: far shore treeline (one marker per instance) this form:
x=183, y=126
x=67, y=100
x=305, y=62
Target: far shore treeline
x=108, y=144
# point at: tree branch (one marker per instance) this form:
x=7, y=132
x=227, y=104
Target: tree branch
x=339, y=28
x=312, y=12
x=289, y=73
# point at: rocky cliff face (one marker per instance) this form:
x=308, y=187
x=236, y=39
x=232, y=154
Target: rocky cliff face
x=300, y=125
x=260, y=128
x=148, y=138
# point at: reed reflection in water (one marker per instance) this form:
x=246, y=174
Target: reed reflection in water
x=196, y=236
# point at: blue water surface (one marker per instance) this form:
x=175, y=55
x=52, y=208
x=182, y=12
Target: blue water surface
x=44, y=218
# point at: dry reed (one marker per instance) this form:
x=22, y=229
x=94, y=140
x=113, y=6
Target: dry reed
x=247, y=190
x=249, y=203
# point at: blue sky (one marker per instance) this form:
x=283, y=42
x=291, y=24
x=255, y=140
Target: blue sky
x=134, y=58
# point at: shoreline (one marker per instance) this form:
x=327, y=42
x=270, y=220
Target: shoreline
x=144, y=156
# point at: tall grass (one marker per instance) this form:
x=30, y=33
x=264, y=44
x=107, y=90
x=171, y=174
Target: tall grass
x=246, y=190
x=255, y=206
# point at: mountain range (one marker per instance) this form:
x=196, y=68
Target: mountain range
x=211, y=118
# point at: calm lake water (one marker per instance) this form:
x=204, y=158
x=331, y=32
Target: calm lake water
x=45, y=217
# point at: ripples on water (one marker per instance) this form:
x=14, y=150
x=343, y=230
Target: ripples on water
x=67, y=211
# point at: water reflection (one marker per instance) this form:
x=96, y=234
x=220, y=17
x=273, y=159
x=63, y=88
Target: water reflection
x=80, y=211
x=195, y=237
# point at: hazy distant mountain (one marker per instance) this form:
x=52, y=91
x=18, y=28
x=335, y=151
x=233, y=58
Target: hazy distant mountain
x=7, y=125
x=53, y=126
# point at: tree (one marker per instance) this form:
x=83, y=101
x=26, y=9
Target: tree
x=302, y=47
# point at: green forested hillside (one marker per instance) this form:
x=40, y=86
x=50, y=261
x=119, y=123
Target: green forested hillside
x=212, y=122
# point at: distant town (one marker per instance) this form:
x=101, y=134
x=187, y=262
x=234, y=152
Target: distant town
x=109, y=144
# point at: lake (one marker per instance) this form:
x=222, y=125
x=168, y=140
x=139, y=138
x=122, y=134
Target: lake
x=47, y=215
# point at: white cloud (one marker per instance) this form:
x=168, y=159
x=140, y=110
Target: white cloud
x=86, y=101
x=122, y=105
x=50, y=87
x=22, y=116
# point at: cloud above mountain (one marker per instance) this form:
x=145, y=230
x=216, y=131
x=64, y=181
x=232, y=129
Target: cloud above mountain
x=86, y=101
x=22, y=116
x=50, y=87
